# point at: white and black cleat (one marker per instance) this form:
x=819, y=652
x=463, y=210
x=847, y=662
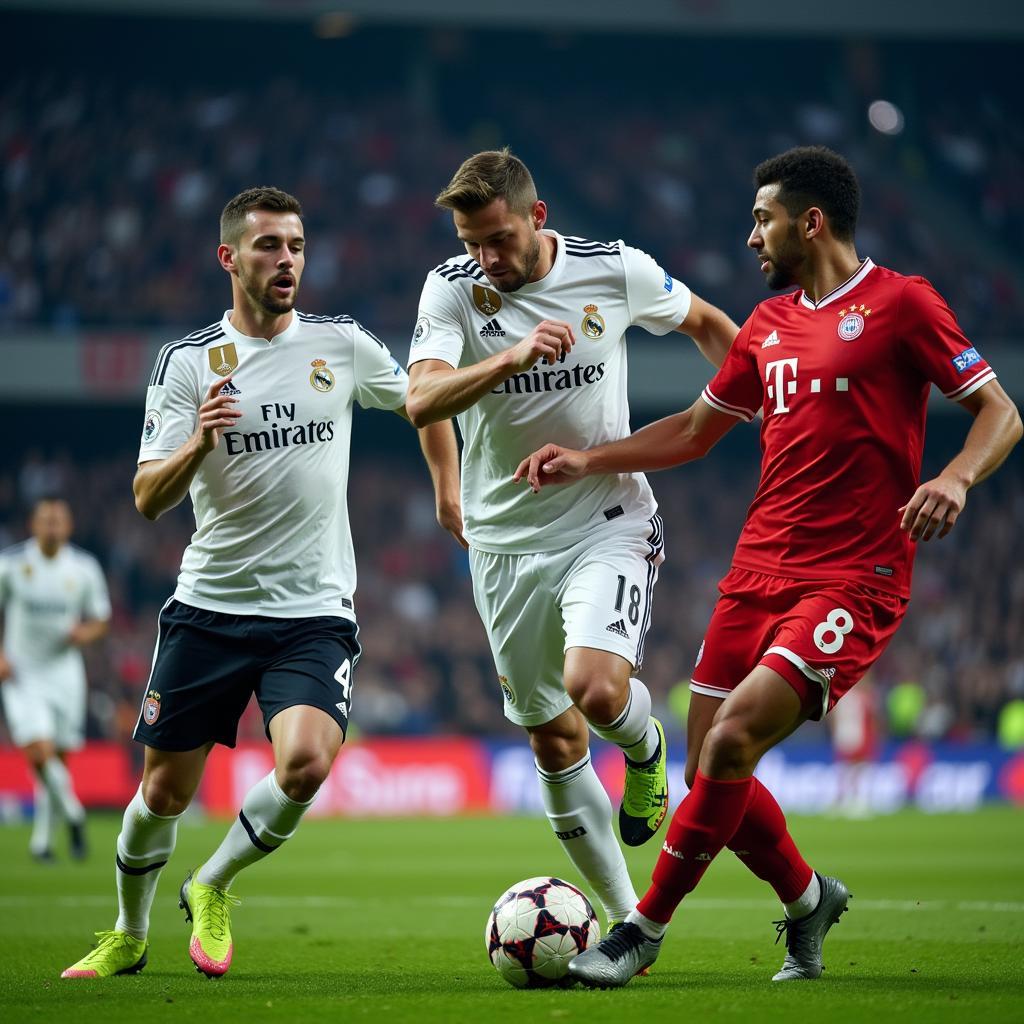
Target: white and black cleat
x=805, y=935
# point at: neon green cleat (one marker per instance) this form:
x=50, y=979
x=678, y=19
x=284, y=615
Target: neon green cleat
x=115, y=953
x=645, y=798
x=209, y=910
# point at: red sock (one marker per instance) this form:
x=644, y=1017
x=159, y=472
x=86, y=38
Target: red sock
x=703, y=823
x=764, y=844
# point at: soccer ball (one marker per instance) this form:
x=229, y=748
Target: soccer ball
x=536, y=928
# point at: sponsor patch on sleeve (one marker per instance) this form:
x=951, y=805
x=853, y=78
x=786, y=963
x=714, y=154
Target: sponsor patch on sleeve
x=668, y=281
x=421, y=332
x=152, y=426
x=966, y=359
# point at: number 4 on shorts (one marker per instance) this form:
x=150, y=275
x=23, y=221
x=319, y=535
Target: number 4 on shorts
x=344, y=679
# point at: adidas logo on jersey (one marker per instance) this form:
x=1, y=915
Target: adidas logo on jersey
x=772, y=339
x=492, y=329
x=618, y=628
x=229, y=389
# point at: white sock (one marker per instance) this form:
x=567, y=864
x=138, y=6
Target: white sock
x=266, y=820
x=808, y=902
x=654, y=930
x=42, y=819
x=57, y=780
x=633, y=730
x=143, y=848
x=581, y=815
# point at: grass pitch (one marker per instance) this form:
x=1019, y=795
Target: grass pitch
x=384, y=921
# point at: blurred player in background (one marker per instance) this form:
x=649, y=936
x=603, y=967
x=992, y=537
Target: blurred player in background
x=55, y=602
x=521, y=339
x=841, y=370
x=252, y=418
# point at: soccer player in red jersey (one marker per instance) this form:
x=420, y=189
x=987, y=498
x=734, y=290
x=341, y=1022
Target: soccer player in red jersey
x=840, y=370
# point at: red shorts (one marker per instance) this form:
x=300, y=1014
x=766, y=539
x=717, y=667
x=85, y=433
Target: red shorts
x=821, y=636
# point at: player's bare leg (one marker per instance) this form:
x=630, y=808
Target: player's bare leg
x=148, y=833
x=618, y=709
x=306, y=741
x=579, y=809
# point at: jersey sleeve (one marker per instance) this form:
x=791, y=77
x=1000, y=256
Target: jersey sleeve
x=438, y=333
x=172, y=407
x=737, y=388
x=96, y=597
x=657, y=301
x=380, y=381
x=5, y=582
x=935, y=344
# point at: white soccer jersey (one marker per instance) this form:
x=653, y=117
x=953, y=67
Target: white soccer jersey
x=601, y=289
x=272, y=531
x=42, y=599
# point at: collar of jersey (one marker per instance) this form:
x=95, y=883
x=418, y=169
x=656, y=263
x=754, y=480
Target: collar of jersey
x=552, y=276
x=236, y=335
x=847, y=286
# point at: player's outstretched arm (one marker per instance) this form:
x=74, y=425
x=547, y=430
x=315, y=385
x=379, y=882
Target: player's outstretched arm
x=437, y=391
x=712, y=330
x=671, y=441
x=161, y=484
x=936, y=504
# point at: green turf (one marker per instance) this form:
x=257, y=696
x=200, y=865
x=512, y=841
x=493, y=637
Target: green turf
x=384, y=921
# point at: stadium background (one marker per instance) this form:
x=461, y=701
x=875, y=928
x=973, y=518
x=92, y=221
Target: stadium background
x=124, y=128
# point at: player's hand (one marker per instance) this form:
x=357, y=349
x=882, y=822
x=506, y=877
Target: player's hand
x=78, y=636
x=6, y=671
x=449, y=516
x=548, y=341
x=551, y=464
x=216, y=414
x=934, y=508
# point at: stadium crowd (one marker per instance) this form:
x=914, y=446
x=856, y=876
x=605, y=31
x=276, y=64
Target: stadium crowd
x=426, y=667
x=126, y=240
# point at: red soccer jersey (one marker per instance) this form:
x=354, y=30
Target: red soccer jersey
x=843, y=385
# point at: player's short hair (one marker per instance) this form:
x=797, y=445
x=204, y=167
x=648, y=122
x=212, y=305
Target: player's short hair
x=262, y=197
x=484, y=177
x=815, y=176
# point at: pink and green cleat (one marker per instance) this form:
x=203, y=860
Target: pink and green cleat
x=209, y=910
x=115, y=953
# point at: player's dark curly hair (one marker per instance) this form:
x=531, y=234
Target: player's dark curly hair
x=815, y=176
x=262, y=197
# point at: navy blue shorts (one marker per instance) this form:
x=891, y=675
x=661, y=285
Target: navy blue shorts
x=208, y=664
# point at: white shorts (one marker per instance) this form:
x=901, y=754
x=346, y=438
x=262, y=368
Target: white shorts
x=41, y=703
x=534, y=607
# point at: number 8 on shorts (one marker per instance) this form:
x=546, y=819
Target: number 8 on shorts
x=830, y=635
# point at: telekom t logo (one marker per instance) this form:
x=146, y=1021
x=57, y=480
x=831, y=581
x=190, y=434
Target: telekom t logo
x=780, y=376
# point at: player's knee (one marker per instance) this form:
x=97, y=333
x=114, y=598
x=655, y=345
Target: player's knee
x=597, y=696
x=302, y=775
x=728, y=747
x=690, y=773
x=164, y=795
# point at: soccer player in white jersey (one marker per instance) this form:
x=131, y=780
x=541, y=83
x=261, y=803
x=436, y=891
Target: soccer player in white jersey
x=55, y=602
x=522, y=338
x=251, y=417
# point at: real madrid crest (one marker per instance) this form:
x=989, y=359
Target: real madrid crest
x=510, y=697
x=487, y=300
x=321, y=378
x=593, y=323
x=851, y=322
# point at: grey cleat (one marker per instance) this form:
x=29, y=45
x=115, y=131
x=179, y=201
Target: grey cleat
x=614, y=960
x=805, y=935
